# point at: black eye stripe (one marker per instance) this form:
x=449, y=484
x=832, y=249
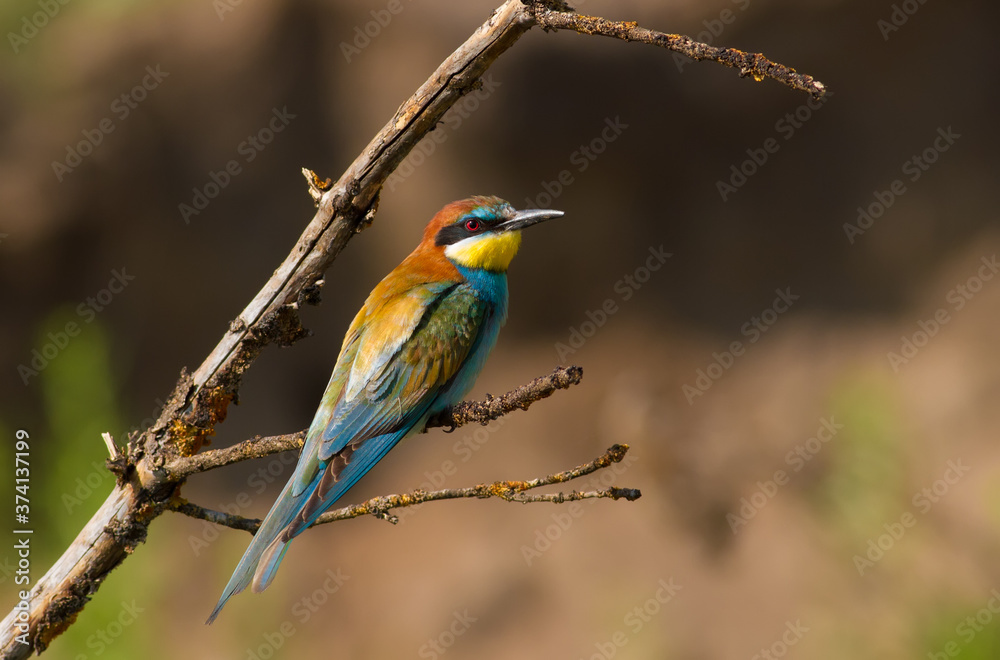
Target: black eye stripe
x=458, y=231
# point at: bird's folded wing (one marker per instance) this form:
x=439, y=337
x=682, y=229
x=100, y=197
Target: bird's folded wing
x=389, y=385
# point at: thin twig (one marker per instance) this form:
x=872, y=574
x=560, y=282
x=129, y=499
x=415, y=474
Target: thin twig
x=749, y=64
x=463, y=413
x=112, y=447
x=511, y=491
x=521, y=398
x=256, y=447
x=181, y=505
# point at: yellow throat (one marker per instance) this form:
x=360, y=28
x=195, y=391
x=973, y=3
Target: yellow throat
x=492, y=252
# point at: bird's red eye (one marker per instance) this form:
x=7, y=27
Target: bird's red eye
x=472, y=225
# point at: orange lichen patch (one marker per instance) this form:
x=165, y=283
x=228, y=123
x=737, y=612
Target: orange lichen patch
x=218, y=401
x=598, y=25
x=318, y=183
x=189, y=437
x=507, y=489
x=404, y=500
x=47, y=630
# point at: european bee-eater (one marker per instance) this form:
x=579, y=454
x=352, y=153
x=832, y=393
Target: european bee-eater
x=415, y=348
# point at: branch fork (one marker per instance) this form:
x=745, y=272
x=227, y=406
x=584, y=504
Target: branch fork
x=381, y=507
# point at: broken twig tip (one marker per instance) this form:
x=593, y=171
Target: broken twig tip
x=112, y=447
x=630, y=494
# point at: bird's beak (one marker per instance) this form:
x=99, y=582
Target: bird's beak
x=528, y=217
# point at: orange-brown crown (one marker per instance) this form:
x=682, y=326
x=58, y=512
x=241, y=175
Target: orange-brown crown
x=450, y=214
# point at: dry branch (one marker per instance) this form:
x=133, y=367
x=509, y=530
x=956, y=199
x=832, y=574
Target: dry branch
x=749, y=64
x=493, y=408
x=149, y=475
x=511, y=491
x=458, y=415
x=247, y=450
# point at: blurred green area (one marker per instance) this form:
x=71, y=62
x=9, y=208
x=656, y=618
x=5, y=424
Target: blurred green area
x=865, y=485
x=970, y=632
x=82, y=400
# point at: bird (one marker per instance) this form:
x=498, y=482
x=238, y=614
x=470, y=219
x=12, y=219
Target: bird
x=414, y=349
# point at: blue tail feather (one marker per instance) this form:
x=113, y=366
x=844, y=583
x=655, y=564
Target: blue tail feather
x=267, y=567
x=260, y=562
x=285, y=508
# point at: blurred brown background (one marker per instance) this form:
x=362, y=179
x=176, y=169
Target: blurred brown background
x=802, y=575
